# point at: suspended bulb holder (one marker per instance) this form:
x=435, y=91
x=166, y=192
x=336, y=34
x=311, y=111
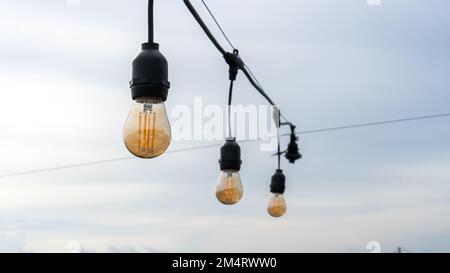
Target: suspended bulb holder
x=278, y=185
x=292, y=153
x=229, y=188
x=147, y=132
x=230, y=156
x=277, y=204
x=150, y=74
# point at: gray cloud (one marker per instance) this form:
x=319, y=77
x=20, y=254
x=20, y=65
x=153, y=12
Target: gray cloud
x=64, y=73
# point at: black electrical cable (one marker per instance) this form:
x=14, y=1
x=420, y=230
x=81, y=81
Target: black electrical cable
x=247, y=71
x=279, y=146
x=257, y=87
x=150, y=21
x=230, y=99
x=204, y=27
x=218, y=25
x=250, y=76
x=279, y=140
x=279, y=156
x=256, y=82
x=250, y=72
x=253, y=75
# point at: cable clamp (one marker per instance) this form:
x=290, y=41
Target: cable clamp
x=235, y=62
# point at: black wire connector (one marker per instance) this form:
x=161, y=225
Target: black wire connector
x=278, y=184
x=235, y=62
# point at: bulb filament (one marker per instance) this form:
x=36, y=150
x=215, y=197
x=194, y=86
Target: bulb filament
x=229, y=188
x=147, y=120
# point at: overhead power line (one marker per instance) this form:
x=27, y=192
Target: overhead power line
x=65, y=167
x=208, y=146
x=369, y=124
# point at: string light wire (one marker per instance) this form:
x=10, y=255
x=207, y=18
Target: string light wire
x=218, y=25
x=247, y=68
x=208, y=146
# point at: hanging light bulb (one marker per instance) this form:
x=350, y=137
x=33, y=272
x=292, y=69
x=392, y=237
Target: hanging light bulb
x=277, y=203
x=147, y=131
x=229, y=189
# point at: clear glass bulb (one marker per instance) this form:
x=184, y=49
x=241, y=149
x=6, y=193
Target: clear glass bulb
x=147, y=131
x=277, y=205
x=229, y=189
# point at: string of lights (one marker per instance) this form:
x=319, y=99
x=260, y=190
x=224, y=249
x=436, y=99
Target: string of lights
x=277, y=204
x=147, y=132
x=229, y=187
x=209, y=146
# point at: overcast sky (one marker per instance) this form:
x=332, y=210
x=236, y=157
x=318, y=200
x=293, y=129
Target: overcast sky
x=64, y=72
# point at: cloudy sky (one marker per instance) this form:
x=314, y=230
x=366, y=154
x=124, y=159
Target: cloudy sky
x=64, y=72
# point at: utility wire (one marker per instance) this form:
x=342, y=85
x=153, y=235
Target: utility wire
x=99, y=162
x=369, y=124
x=218, y=25
x=340, y=128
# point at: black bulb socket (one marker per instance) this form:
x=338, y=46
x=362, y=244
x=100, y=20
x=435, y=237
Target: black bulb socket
x=278, y=185
x=230, y=156
x=292, y=153
x=150, y=77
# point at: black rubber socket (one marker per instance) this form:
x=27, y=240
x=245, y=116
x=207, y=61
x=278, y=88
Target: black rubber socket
x=150, y=74
x=292, y=153
x=230, y=156
x=278, y=184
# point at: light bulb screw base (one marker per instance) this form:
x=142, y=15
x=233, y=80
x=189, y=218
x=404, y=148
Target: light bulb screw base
x=150, y=74
x=278, y=185
x=230, y=155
